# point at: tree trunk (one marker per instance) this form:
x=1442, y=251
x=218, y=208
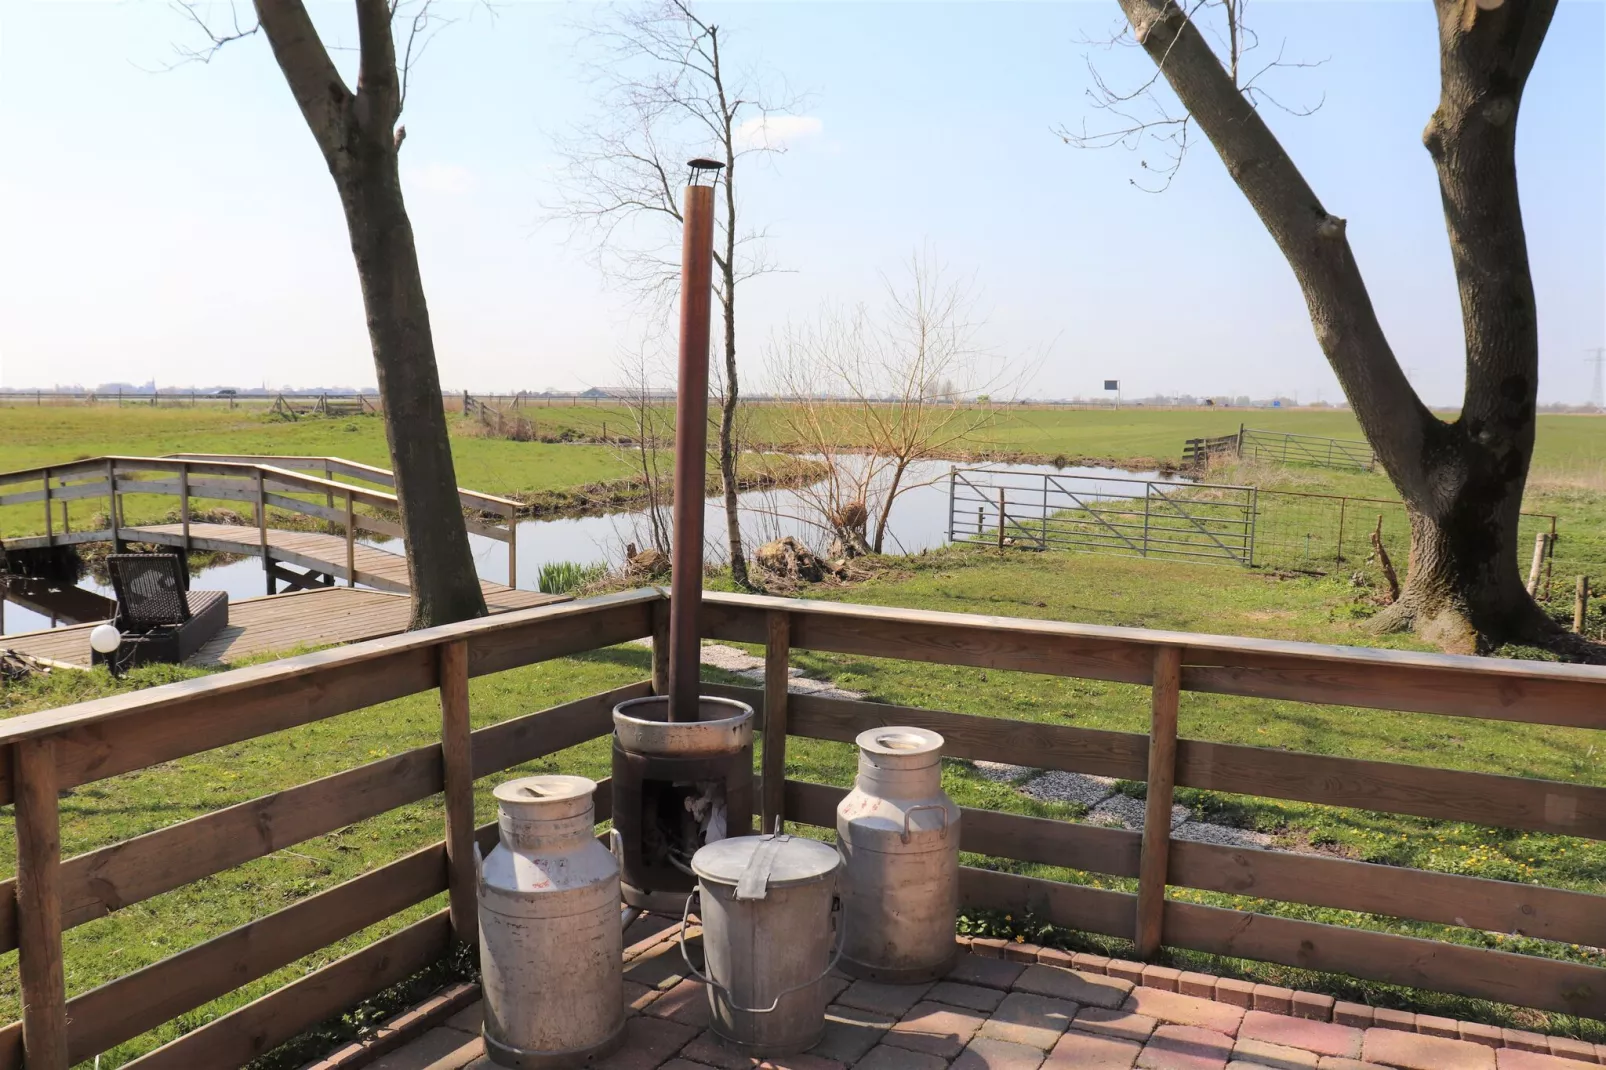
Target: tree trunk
x=440, y=564
x=1462, y=481
x=886, y=507
x=727, y=429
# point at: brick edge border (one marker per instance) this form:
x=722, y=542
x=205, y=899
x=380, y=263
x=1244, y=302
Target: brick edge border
x=1274, y=999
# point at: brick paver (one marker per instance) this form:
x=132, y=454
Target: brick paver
x=1389, y=1018
x=1323, y=1038
x=1024, y=1018
x=1234, y=992
x=1356, y=1014
x=883, y=998
x=1274, y=998
x=1417, y=1051
x=1313, y=1005
x=1516, y=1059
x=686, y=1003
x=1085, y=1051
x=985, y=1053
x=1178, y=1009
x=649, y=1042
x=1164, y=977
x=989, y=973
x=1053, y=956
x=1478, y=1033
x=850, y=1032
x=886, y=1057
x=1568, y=1048
x=1277, y=1056
x=935, y=1029
x=1329, y=1062
x=1125, y=970
x=1087, y=989
x=1185, y=1047
x=1202, y=985
x=1526, y=1041
x=971, y=997
x=439, y=1049
x=1123, y=1024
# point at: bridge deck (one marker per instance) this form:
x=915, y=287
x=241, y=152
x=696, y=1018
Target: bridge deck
x=270, y=624
x=320, y=552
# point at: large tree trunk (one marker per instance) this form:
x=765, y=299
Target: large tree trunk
x=1462, y=481
x=440, y=563
x=359, y=139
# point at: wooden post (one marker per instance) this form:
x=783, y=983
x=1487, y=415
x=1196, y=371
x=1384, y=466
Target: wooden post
x=1156, y=849
x=1000, y=519
x=777, y=665
x=329, y=498
x=457, y=762
x=1537, y=567
x=111, y=504
x=512, y=517
x=44, y=989
x=1581, y=604
x=1338, y=555
x=262, y=529
x=351, y=542
x=66, y=527
x=184, y=504
x=660, y=647
x=50, y=533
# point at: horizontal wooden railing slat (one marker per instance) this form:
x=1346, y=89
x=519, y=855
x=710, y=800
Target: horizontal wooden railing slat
x=1424, y=791
x=262, y=1025
x=136, y=1002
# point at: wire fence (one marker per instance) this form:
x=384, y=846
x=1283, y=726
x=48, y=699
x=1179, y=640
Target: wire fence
x=1294, y=531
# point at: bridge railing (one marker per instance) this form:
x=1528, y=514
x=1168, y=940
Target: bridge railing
x=47, y=753
x=256, y=481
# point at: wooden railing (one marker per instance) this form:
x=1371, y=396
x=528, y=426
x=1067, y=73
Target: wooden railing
x=260, y=481
x=52, y=751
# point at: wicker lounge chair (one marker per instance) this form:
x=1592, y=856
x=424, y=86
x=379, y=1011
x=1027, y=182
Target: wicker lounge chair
x=160, y=619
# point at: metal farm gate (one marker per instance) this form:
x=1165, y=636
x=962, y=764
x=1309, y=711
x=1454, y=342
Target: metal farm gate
x=1133, y=517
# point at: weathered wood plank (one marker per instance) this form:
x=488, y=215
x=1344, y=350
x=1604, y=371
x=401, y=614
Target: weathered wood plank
x=777, y=665
x=457, y=763
x=1074, y=906
x=1523, y=980
x=1157, y=802
x=38, y=884
x=142, y=1000
x=535, y=735
x=237, y=1038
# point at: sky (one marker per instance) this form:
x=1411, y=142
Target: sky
x=176, y=222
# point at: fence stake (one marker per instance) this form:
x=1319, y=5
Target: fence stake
x=1550, y=552
x=44, y=989
x=184, y=505
x=50, y=534
x=66, y=528
x=1538, y=564
x=329, y=498
x=457, y=763
x=1156, y=848
x=351, y=542
x=777, y=663
x=262, y=530
x=1338, y=555
x=1000, y=519
x=112, y=504
x=1581, y=604
x=512, y=518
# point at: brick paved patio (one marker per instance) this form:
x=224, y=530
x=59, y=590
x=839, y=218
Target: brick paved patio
x=1040, y=1009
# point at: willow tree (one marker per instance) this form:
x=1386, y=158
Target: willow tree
x=360, y=138
x=1462, y=479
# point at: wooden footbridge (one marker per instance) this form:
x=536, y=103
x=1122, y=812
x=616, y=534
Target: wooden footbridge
x=305, y=525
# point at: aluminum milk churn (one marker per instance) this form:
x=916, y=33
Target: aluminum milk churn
x=899, y=837
x=551, y=946
x=767, y=909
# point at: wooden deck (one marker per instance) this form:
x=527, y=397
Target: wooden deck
x=318, y=552
x=270, y=624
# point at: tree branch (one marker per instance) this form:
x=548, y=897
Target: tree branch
x=322, y=96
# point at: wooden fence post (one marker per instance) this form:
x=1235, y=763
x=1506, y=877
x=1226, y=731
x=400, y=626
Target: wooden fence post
x=184, y=504
x=457, y=763
x=1537, y=567
x=512, y=517
x=351, y=542
x=50, y=533
x=660, y=647
x=1581, y=604
x=329, y=496
x=777, y=672
x=1001, y=507
x=262, y=530
x=44, y=989
x=1156, y=849
x=111, y=505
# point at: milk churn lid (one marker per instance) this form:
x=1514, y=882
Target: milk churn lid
x=742, y=861
x=550, y=788
x=899, y=741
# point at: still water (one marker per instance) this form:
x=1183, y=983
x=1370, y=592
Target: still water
x=919, y=521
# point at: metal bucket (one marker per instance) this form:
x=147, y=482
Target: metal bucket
x=551, y=947
x=767, y=908
x=899, y=837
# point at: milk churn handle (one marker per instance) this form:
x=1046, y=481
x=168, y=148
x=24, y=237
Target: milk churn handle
x=479, y=866
x=904, y=836
x=836, y=957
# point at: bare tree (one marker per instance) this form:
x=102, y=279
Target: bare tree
x=359, y=134
x=669, y=92
x=651, y=425
x=1462, y=479
x=876, y=394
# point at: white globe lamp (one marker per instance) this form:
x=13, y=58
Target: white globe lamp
x=105, y=639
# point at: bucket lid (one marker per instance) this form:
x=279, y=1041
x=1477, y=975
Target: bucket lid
x=549, y=790
x=899, y=741
x=742, y=861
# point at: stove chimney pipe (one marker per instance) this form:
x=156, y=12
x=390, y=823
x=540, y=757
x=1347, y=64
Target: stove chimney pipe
x=691, y=439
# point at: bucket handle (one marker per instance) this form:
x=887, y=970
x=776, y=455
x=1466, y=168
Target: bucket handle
x=841, y=933
x=904, y=836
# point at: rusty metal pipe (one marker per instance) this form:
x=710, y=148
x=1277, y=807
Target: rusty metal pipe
x=691, y=451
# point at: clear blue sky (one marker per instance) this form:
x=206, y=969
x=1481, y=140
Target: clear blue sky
x=181, y=226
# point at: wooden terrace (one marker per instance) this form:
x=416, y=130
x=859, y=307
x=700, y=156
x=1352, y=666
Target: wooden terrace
x=57, y=750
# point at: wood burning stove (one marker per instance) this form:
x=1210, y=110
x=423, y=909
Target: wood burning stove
x=677, y=785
